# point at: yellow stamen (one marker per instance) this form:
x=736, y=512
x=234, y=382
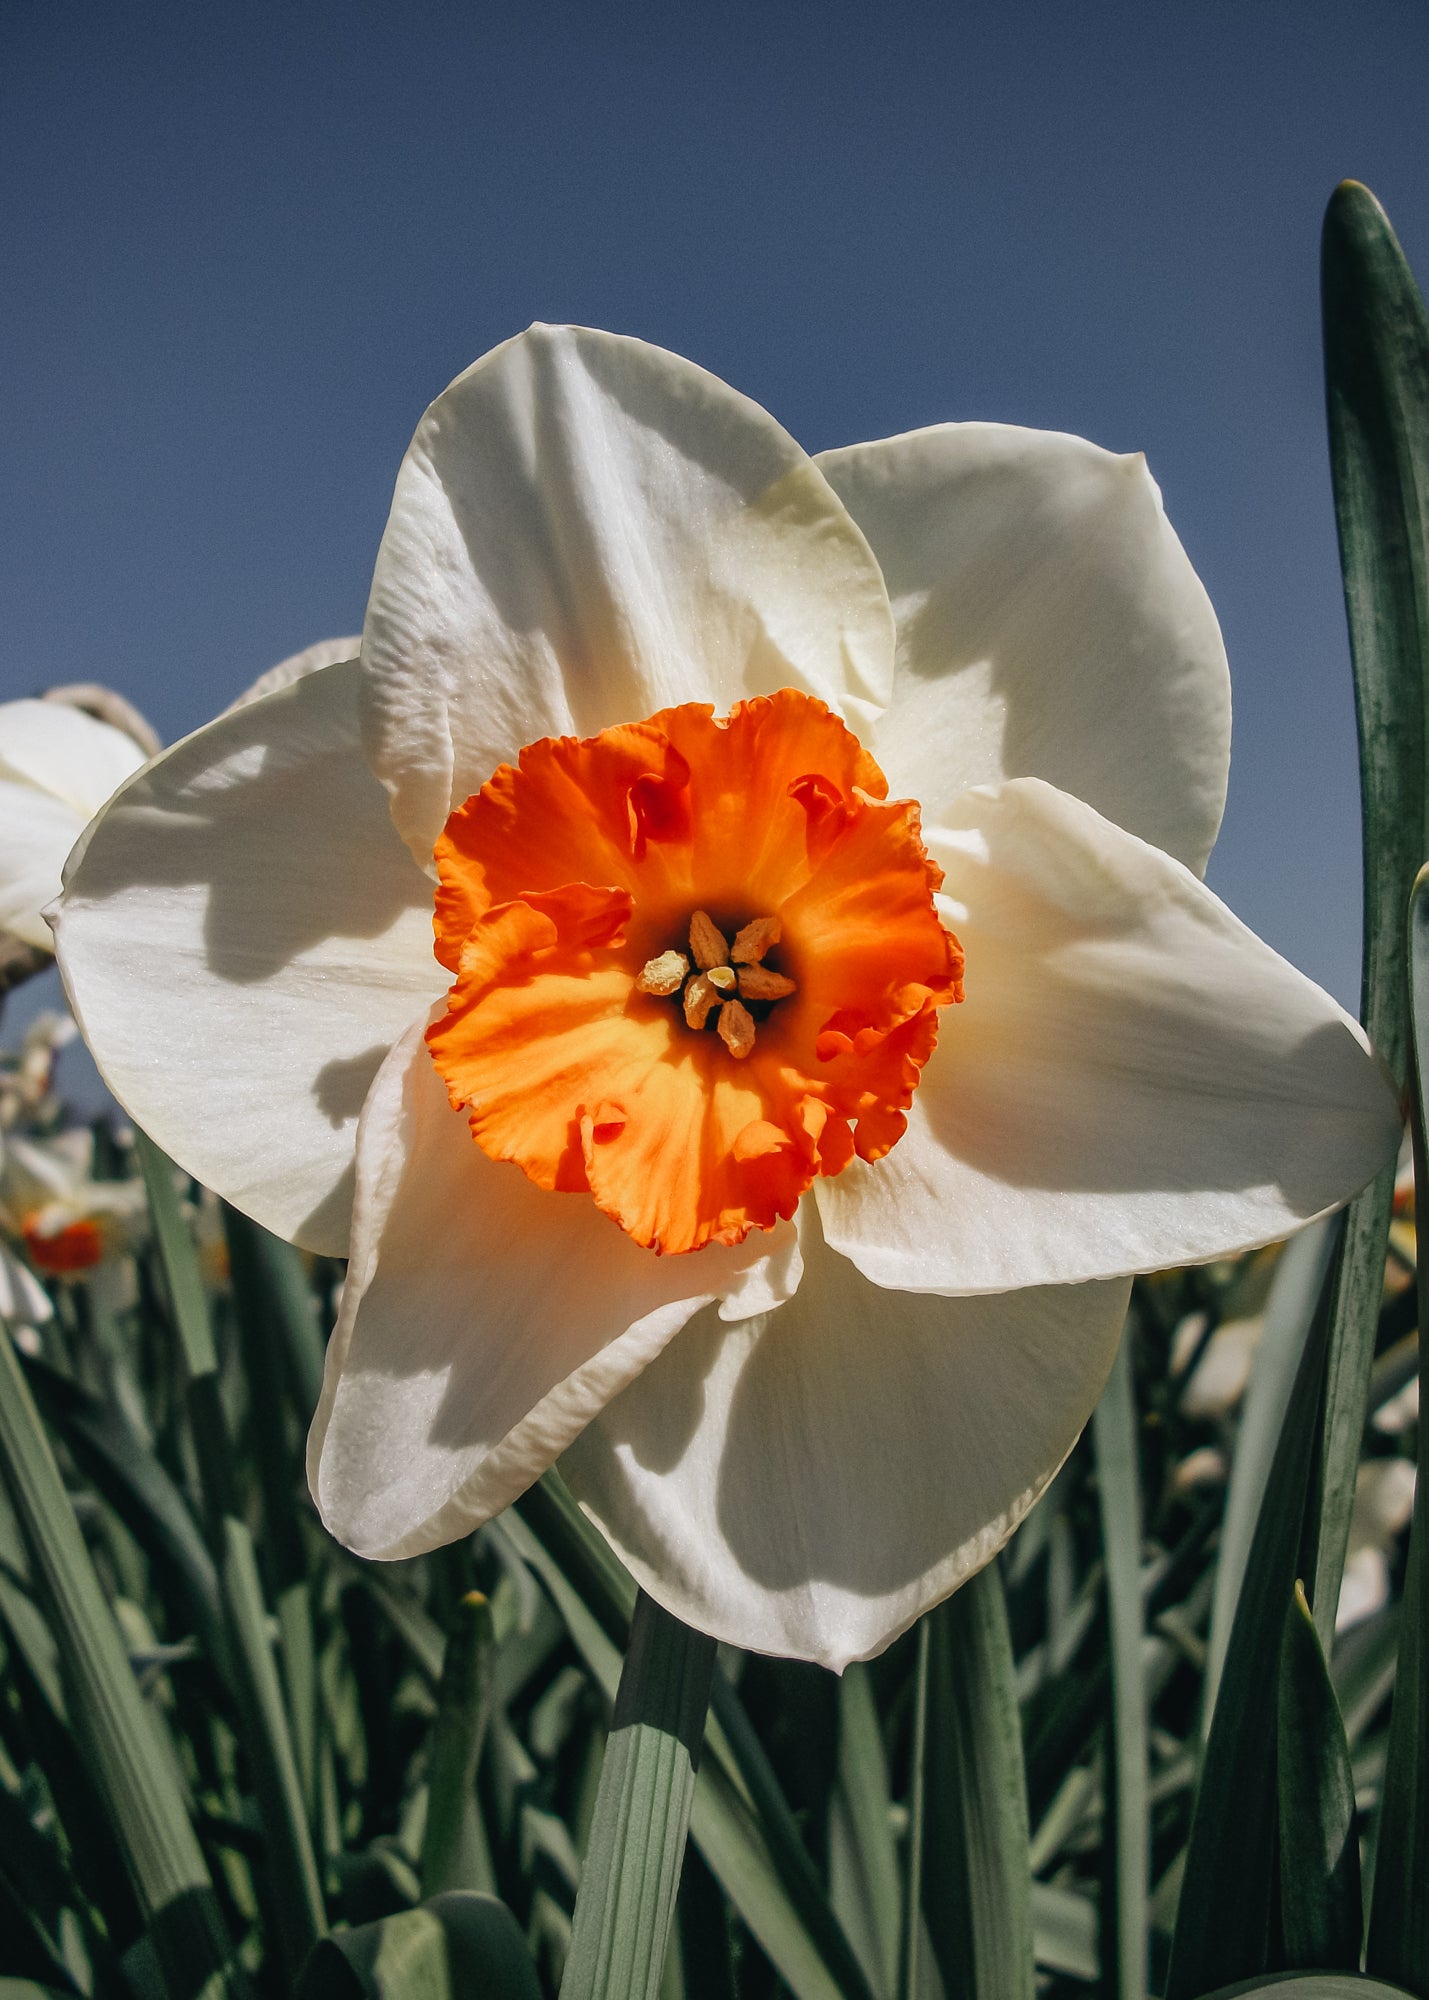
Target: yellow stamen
x=663, y=975
x=709, y=945
x=700, y=996
x=760, y=982
x=736, y=1028
x=756, y=937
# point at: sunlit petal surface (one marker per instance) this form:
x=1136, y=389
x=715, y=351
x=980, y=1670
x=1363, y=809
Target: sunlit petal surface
x=809, y=1481
x=1049, y=626
x=243, y=941
x=587, y=529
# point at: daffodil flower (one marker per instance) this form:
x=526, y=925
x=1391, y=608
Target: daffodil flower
x=58, y=765
x=826, y=1014
x=69, y=1222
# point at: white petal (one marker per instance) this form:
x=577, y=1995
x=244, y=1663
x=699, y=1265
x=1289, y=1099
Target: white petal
x=326, y=653
x=809, y=1482
x=587, y=529
x=63, y=751
x=23, y=1299
x=243, y=937
x=1049, y=626
x=1133, y=1080
x=37, y=831
x=484, y=1322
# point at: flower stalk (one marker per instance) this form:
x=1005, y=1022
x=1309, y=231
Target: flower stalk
x=626, y=1906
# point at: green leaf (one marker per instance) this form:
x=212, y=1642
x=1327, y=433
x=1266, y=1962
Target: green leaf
x=292, y=1876
x=1398, y=1946
x=1321, y=1906
x=1127, y=1858
x=863, y=1858
x=133, y=1768
x=1231, y=1867
x=268, y=1275
x=628, y=1886
x=122, y=1466
x=1377, y=395
x=914, y=1923
x=977, y=1887
x=282, y=1357
x=187, y=1297
x=453, y=1851
x=1064, y=1932
x=740, y=1820
x=458, y=1946
x=1289, y=1309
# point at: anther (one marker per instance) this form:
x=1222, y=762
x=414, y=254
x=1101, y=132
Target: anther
x=736, y=1028
x=700, y=996
x=708, y=944
x=761, y=982
x=761, y=934
x=663, y=975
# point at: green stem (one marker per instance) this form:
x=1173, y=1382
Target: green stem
x=626, y=1904
x=453, y=1853
x=908, y=1984
x=1128, y=1855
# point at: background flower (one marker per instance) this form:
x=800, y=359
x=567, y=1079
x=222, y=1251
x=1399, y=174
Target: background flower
x=58, y=765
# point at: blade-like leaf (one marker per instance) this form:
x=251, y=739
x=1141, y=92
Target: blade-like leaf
x=116, y=1458
x=458, y=1946
x=292, y=1877
x=278, y=1332
x=1126, y=1861
x=628, y=1886
x=740, y=1821
x=1377, y=396
x=1231, y=1867
x=910, y=1952
x=1321, y=1906
x=1398, y=1945
x=863, y=1859
x=453, y=1853
x=133, y=1769
x=1297, y=1284
x=977, y=1887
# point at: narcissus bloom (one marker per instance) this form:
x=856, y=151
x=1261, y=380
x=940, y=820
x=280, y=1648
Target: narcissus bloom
x=826, y=1014
x=57, y=767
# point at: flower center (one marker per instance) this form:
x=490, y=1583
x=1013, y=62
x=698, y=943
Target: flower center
x=729, y=980
x=60, y=1247
x=696, y=964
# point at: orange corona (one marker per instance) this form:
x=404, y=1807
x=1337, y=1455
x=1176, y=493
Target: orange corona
x=697, y=963
x=75, y=1246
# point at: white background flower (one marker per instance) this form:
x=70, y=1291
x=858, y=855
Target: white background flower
x=57, y=768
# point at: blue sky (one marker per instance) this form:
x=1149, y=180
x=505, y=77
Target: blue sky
x=244, y=245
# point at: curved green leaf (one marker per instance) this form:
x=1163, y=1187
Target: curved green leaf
x=626, y=1903
x=1377, y=398
x=457, y=1946
x=1321, y=1904
x=134, y=1771
x=1398, y=1945
x=977, y=1881
x=1229, y=1889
